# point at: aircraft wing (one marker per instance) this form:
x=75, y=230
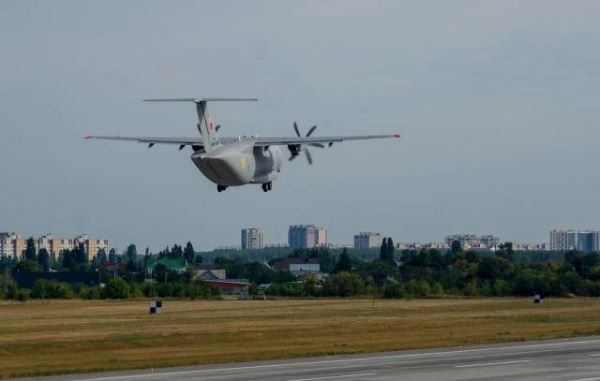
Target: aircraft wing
x=267, y=141
x=258, y=141
x=151, y=139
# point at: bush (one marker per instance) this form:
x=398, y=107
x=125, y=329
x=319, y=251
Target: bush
x=393, y=290
x=116, y=288
x=344, y=284
x=23, y=295
x=48, y=289
x=89, y=293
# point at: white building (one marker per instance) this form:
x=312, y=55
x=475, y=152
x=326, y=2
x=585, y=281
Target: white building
x=586, y=240
x=307, y=236
x=252, y=239
x=367, y=240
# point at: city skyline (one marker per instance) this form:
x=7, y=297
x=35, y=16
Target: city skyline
x=589, y=240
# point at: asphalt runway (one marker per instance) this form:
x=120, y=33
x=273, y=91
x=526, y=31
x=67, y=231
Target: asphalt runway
x=575, y=359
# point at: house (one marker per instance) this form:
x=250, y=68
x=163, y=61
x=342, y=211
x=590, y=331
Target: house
x=298, y=265
x=206, y=271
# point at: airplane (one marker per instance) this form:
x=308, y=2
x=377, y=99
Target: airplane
x=236, y=161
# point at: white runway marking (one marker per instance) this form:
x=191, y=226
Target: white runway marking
x=493, y=363
x=595, y=355
x=342, y=360
x=338, y=376
x=587, y=379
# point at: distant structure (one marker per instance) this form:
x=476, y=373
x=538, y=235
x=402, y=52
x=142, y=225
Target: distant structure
x=252, y=239
x=367, y=240
x=297, y=265
x=307, y=236
x=13, y=244
x=586, y=240
x=468, y=241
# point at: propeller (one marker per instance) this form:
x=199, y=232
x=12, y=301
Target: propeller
x=296, y=148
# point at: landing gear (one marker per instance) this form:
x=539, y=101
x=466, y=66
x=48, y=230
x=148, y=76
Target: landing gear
x=221, y=188
x=267, y=186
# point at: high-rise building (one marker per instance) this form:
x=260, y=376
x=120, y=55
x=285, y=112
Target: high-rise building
x=473, y=240
x=307, y=236
x=252, y=239
x=367, y=240
x=92, y=246
x=586, y=240
x=11, y=245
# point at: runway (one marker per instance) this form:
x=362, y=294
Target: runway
x=575, y=359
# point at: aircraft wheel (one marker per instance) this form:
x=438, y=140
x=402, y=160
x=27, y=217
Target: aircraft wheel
x=221, y=188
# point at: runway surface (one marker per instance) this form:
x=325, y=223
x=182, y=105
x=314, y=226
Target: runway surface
x=575, y=359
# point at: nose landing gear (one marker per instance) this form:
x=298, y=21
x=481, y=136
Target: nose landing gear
x=267, y=186
x=221, y=188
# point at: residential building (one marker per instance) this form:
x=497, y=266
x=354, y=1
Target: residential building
x=92, y=246
x=207, y=271
x=252, y=239
x=468, y=241
x=367, y=240
x=586, y=240
x=307, y=236
x=11, y=245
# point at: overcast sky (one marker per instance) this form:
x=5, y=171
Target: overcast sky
x=497, y=103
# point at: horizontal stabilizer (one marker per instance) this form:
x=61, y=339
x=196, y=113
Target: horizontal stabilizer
x=197, y=100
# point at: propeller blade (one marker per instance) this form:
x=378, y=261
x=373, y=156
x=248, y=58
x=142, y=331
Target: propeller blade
x=312, y=129
x=296, y=129
x=308, y=156
x=320, y=145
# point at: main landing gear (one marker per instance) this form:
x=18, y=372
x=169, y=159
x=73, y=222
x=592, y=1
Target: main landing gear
x=221, y=188
x=267, y=186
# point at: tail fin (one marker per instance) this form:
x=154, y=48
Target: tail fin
x=206, y=126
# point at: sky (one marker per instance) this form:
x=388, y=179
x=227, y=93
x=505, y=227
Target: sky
x=496, y=102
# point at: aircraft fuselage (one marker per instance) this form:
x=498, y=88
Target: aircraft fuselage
x=239, y=164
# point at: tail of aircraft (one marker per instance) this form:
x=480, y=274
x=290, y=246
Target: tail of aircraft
x=206, y=126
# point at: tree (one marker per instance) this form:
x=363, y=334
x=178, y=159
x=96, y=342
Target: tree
x=188, y=253
x=44, y=260
x=383, y=256
x=116, y=288
x=505, y=251
x=456, y=247
x=101, y=258
x=343, y=263
x=386, y=252
x=390, y=250
x=29, y=253
x=112, y=256
x=176, y=252
x=160, y=272
x=131, y=253
x=28, y=266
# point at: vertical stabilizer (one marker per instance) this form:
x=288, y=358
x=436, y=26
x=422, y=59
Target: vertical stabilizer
x=206, y=127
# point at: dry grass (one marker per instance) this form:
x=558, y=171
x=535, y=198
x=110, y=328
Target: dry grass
x=48, y=337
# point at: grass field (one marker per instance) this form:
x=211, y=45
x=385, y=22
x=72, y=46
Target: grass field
x=49, y=337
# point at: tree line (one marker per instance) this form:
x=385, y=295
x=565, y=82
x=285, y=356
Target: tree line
x=394, y=274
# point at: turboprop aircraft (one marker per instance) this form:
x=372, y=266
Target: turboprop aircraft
x=234, y=161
